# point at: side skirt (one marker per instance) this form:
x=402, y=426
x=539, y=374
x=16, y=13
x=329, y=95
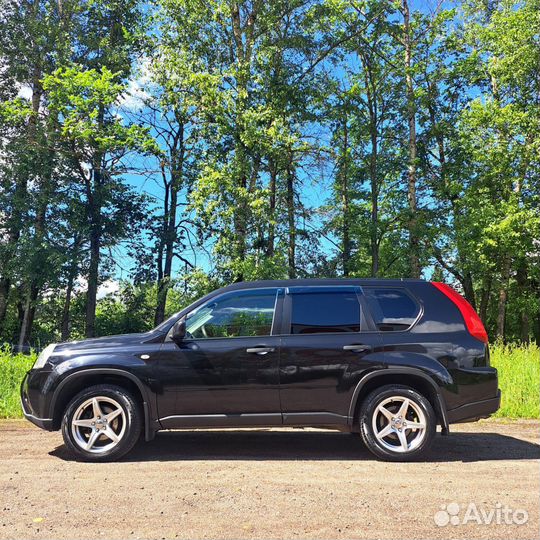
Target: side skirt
x=311, y=419
x=220, y=420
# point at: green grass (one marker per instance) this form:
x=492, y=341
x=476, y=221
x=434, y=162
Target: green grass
x=519, y=380
x=12, y=370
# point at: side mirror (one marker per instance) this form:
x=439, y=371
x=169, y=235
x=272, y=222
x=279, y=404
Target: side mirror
x=178, y=332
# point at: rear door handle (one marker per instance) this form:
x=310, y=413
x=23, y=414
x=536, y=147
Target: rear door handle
x=260, y=350
x=357, y=348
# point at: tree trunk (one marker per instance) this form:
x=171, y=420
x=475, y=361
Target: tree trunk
x=503, y=297
x=29, y=310
x=93, y=278
x=484, y=299
x=165, y=283
x=291, y=218
x=414, y=241
x=243, y=37
x=271, y=225
x=31, y=288
x=468, y=289
x=522, y=283
x=373, y=168
x=39, y=254
x=159, y=315
x=5, y=285
x=94, y=209
x=346, y=256
x=170, y=231
x=72, y=274
x=94, y=192
x=536, y=330
x=65, y=323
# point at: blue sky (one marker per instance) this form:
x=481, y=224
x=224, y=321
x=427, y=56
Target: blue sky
x=314, y=190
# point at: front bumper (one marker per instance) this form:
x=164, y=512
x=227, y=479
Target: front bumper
x=471, y=412
x=29, y=410
x=43, y=423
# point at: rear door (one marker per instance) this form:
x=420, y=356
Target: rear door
x=327, y=338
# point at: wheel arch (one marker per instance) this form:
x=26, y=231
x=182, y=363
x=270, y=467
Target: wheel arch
x=71, y=385
x=412, y=377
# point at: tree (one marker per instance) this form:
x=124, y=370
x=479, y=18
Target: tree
x=98, y=141
x=29, y=50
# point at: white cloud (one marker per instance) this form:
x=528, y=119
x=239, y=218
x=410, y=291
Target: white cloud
x=110, y=286
x=137, y=89
x=25, y=92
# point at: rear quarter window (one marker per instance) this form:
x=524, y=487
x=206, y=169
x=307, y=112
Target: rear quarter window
x=392, y=309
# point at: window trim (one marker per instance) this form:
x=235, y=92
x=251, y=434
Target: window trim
x=275, y=318
x=365, y=322
x=419, y=304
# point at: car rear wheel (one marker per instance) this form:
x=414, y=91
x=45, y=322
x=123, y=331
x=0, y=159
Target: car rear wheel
x=101, y=423
x=397, y=423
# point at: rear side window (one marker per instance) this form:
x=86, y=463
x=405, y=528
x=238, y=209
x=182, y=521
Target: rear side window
x=392, y=309
x=325, y=312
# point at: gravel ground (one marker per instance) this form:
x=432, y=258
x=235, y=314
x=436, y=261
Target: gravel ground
x=269, y=484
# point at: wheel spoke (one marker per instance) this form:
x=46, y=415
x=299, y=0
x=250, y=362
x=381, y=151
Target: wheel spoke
x=96, y=408
x=84, y=423
x=383, y=410
x=93, y=438
x=112, y=415
x=415, y=425
x=111, y=434
x=403, y=440
x=385, y=431
x=403, y=409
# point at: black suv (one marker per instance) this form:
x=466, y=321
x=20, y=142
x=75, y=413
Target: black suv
x=389, y=359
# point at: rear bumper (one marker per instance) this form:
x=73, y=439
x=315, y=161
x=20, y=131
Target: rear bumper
x=471, y=412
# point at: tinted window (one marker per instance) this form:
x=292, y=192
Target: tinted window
x=314, y=313
x=391, y=309
x=240, y=313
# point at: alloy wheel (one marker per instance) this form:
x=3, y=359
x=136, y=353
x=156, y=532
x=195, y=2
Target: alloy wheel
x=399, y=424
x=98, y=424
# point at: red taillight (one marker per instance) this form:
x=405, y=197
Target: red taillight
x=471, y=318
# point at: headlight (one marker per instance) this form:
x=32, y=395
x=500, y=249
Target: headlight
x=44, y=356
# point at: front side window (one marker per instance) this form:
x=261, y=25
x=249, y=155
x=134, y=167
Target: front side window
x=325, y=312
x=391, y=309
x=236, y=314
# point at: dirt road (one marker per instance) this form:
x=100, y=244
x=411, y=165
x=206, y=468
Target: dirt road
x=271, y=484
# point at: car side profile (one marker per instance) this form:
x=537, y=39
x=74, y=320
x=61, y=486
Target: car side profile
x=388, y=359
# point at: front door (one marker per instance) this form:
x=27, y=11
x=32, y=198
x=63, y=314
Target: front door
x=226, y=370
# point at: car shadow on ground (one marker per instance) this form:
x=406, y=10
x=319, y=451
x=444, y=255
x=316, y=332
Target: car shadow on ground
x=313, y=445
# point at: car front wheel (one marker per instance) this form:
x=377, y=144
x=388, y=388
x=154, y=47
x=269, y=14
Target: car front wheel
x=397, y=423
x=101, y=423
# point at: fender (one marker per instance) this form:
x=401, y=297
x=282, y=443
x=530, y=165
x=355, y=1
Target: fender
x=398, y=370
x=150, y=421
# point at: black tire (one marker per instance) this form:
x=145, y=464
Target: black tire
x=126, y=426
x=417, y=440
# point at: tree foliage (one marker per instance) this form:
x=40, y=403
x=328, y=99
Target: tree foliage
x=166, y=149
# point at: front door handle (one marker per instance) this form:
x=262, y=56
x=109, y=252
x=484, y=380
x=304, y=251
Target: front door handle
x=357, y=348
x=260, y=350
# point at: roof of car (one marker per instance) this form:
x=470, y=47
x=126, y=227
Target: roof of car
x=312, y=282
